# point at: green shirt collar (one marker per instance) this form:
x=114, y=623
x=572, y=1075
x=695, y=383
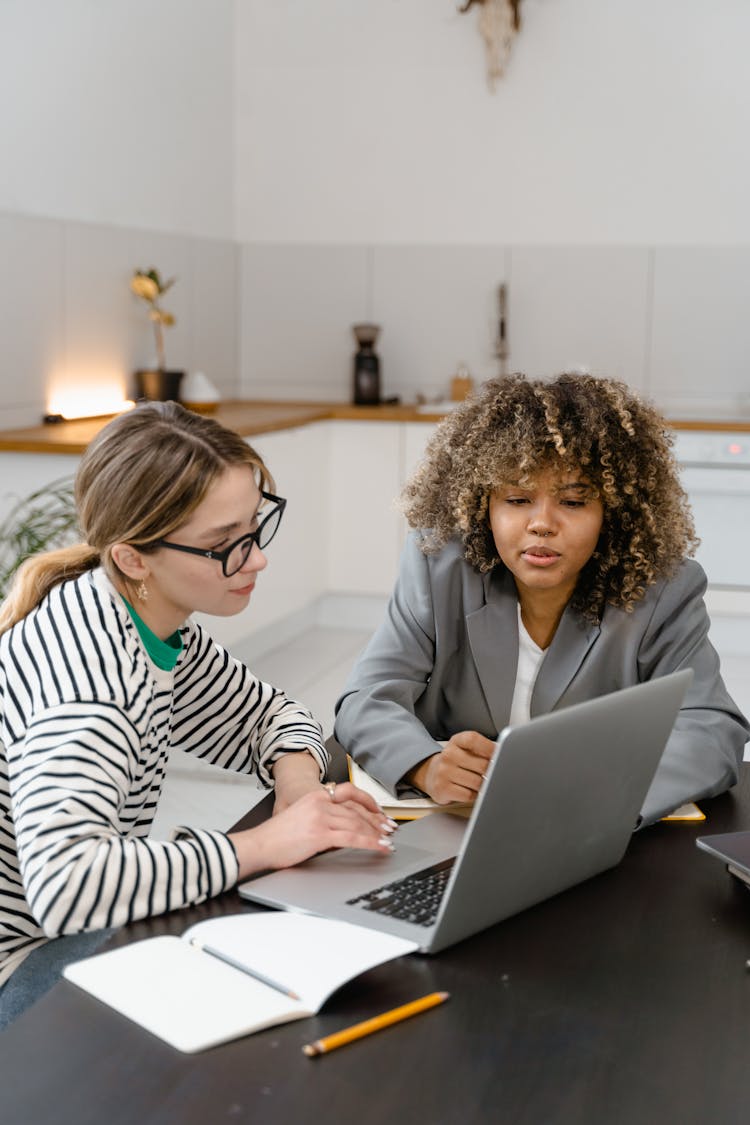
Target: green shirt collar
x=163, y=653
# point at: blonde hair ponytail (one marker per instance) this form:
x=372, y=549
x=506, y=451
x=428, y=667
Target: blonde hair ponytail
x=38, y=575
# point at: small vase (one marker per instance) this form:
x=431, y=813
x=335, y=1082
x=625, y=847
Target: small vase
x=158, y=386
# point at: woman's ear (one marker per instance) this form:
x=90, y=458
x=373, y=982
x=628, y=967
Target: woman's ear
x=129, y=561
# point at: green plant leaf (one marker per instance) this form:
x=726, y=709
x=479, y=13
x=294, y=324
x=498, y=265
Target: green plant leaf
x=42, y=521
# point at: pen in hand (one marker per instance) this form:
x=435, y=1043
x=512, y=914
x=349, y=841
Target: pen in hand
x=244, y=969
x=359, y=1030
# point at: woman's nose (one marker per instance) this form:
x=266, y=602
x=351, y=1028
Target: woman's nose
x=255, y=561
x=541, y=520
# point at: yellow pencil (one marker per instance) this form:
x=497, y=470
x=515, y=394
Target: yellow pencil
x=349, y=1034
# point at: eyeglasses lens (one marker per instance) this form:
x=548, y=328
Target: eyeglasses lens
x=269, y=527
x=263, y=536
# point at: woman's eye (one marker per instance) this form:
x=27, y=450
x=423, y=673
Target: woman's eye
x=516, y=500
x=574, y=503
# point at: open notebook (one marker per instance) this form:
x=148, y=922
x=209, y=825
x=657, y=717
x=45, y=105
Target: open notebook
x=191, y=999
x=407, y=807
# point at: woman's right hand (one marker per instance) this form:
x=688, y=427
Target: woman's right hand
x=342, y=818
x=457, y=771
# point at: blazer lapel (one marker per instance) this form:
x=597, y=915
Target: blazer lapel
x=571, y=642
x=493, y=637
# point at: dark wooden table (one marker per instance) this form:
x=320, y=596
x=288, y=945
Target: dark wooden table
x=624, y=1001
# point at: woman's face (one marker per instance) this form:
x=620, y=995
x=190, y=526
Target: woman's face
x=546, y=531
x=179, y=584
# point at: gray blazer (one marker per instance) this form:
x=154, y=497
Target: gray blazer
x=444, y=660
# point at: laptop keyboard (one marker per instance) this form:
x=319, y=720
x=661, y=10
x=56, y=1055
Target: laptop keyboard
x=415, y=898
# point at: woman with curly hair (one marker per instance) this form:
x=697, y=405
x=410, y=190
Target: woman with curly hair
x=548, y=566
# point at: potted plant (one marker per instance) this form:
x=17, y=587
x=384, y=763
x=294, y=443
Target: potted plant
x=41, y=521
x=157, y=383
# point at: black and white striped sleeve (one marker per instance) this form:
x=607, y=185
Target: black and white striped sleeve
x=226, y=716
x=74, y=779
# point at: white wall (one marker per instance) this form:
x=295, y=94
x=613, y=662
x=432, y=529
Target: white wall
x=118, y=112
x=116, y=129
x=605, y=182
x=370, y=121
x=302, y=166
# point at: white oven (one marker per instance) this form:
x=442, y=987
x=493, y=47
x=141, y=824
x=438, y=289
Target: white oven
x=715, y=469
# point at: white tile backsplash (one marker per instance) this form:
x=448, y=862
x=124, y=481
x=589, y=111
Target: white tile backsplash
x=274, y=321
x=701, y=331
x=438, y=306
x=32, y=327
x=108, y=332
x=68, y=318
x=213, y=313
x=297, y=306
x=579, y=308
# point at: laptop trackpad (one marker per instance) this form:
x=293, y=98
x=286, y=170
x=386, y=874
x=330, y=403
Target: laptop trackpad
x=359, y=860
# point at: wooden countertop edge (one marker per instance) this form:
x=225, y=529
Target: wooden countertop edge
x=253, y=418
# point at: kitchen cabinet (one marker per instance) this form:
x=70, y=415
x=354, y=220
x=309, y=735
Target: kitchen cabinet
x=365, y=530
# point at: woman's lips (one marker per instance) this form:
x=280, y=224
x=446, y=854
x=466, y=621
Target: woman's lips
x=540, y=556
x=244, y=590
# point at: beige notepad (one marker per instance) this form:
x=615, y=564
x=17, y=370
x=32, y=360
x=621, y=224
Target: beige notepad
x=192, y=1000
x=689, y=811
x=400, y=808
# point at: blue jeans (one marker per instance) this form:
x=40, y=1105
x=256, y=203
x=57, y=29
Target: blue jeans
x=42, y=968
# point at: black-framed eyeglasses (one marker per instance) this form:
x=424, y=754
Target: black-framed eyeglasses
x=234, y=557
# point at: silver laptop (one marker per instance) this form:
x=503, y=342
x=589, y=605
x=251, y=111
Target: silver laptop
x=559, y=804
x=733, y=848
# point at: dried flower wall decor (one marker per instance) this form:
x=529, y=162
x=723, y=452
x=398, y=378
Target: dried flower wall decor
x=499, y=21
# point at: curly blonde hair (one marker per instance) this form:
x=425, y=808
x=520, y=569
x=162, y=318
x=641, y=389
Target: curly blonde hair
x=512, y=429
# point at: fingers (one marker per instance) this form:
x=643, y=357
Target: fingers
x=349, y=829
x=349, y=812
x=473, y=743
x=315, y=823
x=457, y=772
x=345, y=791
x=348, y=795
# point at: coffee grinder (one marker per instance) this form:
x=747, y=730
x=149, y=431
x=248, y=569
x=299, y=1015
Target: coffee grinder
x=366, y=366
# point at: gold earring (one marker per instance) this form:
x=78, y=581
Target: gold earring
x=142, y=591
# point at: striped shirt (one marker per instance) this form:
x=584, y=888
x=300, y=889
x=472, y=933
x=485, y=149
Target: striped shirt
x=87, y=724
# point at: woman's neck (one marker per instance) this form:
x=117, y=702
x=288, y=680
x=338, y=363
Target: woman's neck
x=162, y=623
x=541, y=613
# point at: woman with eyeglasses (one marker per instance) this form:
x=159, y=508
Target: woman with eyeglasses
x=102, y=671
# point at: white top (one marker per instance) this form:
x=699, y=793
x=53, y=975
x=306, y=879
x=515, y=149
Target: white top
x=530, y=657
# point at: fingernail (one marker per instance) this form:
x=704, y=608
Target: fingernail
x=388, y=827
x=386, y=843
x=393, y=823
